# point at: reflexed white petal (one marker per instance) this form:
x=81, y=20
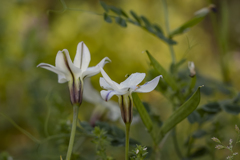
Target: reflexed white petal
x=104, y=84
x=133, y=79
x=106, y=95
x=91, y=71
x=82, y=57
x=61, y=75
x=149, y=86
x=113, y=84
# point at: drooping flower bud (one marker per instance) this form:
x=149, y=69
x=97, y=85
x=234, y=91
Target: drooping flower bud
x=191, y=68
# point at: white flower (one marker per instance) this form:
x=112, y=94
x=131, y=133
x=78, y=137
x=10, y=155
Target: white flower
x=91, y=95
x=124, y=90
x=74, y=72
x=191, y=68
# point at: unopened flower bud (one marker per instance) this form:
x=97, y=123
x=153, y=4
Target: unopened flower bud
x=219, y=147
x=237, y=129
x=191, y=68
x=137, y=151
x=216, y=140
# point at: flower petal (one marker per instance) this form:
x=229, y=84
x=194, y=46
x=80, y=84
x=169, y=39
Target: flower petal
x=90, y=94
x=91, y=71
x=149, y=86
x=82, y=58
x=61, y=75
x=104, y=84
x=64, y=62
x=106, y=95
x=133, y=80
x=113, y=84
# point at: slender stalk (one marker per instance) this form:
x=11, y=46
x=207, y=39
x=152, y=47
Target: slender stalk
x=127, y=140
x=29, y=135
x=166, y=18
x=72, y=136
x=177, y=149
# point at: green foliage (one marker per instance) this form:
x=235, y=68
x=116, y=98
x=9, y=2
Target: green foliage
x=101, y=141
x=122, y=18
x=230, y=146
x=168, y=78
x=182, y=112
x=139, y=153
x=5, y=156
x=192, y=22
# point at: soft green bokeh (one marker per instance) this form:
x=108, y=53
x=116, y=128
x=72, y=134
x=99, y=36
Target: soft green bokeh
x=29, y=36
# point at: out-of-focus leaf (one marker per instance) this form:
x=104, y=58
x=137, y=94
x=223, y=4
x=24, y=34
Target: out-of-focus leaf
x=169, y=79
x=157, y=28
x=181, y=113
x=121, y=21
x=135, y=16
x=174, y=67
x=107, y=18
x=199, y=152
x=199, y=134
x=212, y=107
x=230, y=108
x=105, y=6
x=237, y=99
x=142, y=112
x=116, y=10
x=185, y=27
x=86, y=126
x=123, y=13
x=194, y=117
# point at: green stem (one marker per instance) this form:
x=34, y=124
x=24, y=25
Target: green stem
x=166, y=18
x=127, y=140
x=72, y=136
x=21, y=129
x=174, y=136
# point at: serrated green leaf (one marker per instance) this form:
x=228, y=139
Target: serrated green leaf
x=181, y=113
x=135, y=16
x=104, y=6
x=107, y=18
x=142, y=112
x=192, y=22
x=115, y=10
x=168, y=78
x=121, y=21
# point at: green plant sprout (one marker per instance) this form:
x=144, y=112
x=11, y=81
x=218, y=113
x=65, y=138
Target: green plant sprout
x=229, y=146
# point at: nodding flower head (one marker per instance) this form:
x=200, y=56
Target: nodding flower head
x=124, y=90
x=74, y=72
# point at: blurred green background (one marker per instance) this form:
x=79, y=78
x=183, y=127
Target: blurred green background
x=30, y=35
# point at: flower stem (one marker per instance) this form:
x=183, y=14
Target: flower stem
x=72, y=136
x=127, y=140
x=166, y=18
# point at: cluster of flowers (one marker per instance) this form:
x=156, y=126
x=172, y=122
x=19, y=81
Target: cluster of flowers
x=75, y=72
